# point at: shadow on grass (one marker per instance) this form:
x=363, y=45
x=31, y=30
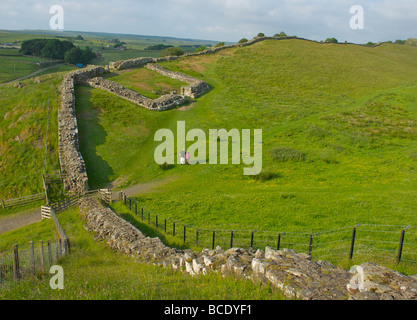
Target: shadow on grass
x=91, y=135
x=151, y=231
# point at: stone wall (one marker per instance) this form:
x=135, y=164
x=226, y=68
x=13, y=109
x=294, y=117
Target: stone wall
x=70, y=158
x=164, y=102
x=195, y=88
x=296, y=274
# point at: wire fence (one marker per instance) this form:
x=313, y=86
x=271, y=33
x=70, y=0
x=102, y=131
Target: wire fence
x=376, y=242
x=30, y=259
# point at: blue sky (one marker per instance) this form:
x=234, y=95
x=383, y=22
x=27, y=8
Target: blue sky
x=221, y=20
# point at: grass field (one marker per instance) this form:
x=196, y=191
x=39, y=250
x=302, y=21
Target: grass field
x=338, y=127
x=93, y=272
x=147, y=82
x=24, y=123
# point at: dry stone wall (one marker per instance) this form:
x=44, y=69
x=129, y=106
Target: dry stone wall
x=70, y=158
x=162, y=103
x=296, y=274
x=195, y=88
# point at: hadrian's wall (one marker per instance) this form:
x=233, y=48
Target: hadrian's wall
x=296, y=274
x=195, y=88
x=70, y=158
x=164, y=102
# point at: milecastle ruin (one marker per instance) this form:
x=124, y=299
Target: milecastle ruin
x=296, y=274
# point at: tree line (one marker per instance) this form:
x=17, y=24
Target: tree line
x=57, y=49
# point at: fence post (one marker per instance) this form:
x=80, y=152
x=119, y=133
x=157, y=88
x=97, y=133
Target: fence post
x=130, y=204
x=165, y=227
x=352, y=242
x=149, y=217
x=251, y=239
x=57, y=249
x=196, y=237
x=173, y=229
x=42, y=261
x=142, y=213
x=279, y=241
x=156, y=221
x=310, y=244
x=32, y=257
x=214, y=237
x=68, y=245
x=16, y=269
x=49, y=253
x=400, y=247
x=231, y=239
x=136, y=209
x=185, y=229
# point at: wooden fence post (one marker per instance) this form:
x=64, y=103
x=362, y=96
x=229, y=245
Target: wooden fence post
x=16, y=269
x=400, y=247
x=42, y=259
x=352, y=242
x=49, y=253
x=32, y=257
x=212, y=242
x=251, y=239
x=279, y=241
x=310, y=245
x=231, y=239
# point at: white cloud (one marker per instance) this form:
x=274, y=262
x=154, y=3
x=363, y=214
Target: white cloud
x=227, y=20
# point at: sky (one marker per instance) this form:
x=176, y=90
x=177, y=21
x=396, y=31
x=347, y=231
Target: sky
x=222, y=20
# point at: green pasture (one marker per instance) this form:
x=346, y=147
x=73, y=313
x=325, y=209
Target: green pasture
x=339, y=143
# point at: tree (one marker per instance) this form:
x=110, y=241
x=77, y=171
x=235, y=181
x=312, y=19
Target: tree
x=200, y=48
x=173, y=51
x=331, y=40
x=243, y=40
x=220, y=44
x=260, y=34
x=73, y=56
x=79, y=38
x=281, y=34
x=77, y=55
x=48, y=48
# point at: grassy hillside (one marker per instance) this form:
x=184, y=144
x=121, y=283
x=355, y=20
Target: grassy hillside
x=23, y=125
x=348, y=110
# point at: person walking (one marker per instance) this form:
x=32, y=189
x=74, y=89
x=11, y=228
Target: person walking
x=187, y=157
x=182, y=154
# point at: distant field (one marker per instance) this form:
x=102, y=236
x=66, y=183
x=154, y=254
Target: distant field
x=13, y=69
x=23, y=125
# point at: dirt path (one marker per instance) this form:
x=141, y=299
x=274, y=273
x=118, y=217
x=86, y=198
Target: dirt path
x=33, y=73
x=18, y=220
x=148, y=186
